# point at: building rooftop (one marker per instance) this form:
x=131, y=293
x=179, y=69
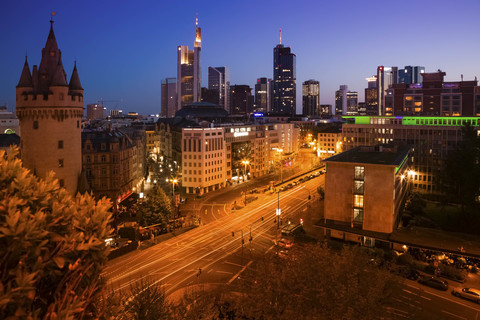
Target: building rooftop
x=391, y=155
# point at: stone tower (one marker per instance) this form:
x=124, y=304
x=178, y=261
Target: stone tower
x=50, y=112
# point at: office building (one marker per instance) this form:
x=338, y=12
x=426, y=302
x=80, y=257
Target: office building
x=241, y=99
x=284, y=80
x=432, y=139
x=311, y=98
x=168, y=97
x=219, y=80
x=96, y=112
x=365, y=189
x=50, y=111
x=189, y=75
x=262, y=95
x=341, y=100
x=329, y=141
x=410, y=74
x=326, y=110
x=371, y=96
x=210, y=96
x=352, y=102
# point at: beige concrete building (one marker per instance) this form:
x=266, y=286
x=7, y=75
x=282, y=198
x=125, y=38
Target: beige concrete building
x=203, y=159
x=50, y=110
x=364, y=190
x=329, y=142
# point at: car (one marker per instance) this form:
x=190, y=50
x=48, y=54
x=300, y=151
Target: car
x=467, y=293
x=407, y=272
x=434, y=282
x=289, y=186
x=301, y=180
x=316, y=174
x=283, y=188
x=284, y=243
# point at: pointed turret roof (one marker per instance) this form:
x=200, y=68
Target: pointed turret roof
x=75, y=79
x=60, y=77
x=51, y=61
x=51, y=41
x=26, y=77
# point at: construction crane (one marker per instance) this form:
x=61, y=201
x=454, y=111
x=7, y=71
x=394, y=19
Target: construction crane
x=101, y=101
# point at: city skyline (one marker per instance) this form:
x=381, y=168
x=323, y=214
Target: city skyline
x=123, y=56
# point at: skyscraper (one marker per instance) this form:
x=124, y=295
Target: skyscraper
x=410, y=75
x=284, y=80
x=311, y=98
x=189, y=73
x=262, y=95
x=352, y=102
x=341, y=100
x=219, y=79
x=50, y=110
x=241, y=99
x=169, y=97
x=371, y=101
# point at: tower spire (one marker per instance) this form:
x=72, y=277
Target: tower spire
x=198, y=34
x=280, y=36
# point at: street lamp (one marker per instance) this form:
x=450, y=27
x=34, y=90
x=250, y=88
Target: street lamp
x=173, y=181
x=279, y=211
x=245, y=162
x=280, y=160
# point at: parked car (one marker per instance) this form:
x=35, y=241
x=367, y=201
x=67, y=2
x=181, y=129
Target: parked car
x=289, y=186
x=434, y=282
x=301, y=180
x=284, y=243
x=283, y=188
x=467, y=293
x=316, y=174
x=407, y=272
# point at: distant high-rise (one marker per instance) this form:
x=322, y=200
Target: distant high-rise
x=325, y=110
x=169, y=97
x=371, y=101
x=189, y=74
x=311, y=98
x=262, y=95
x=96, y=112
x=210, y=95
x=284, y=80
x=241, y=99
x=219, y=79
x=352, y=102
x=341, y=100
x=410, y=75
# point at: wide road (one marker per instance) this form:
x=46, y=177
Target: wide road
x=211, y=253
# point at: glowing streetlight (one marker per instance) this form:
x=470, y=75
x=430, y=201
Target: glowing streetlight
x=280, y=160
x=245, y=162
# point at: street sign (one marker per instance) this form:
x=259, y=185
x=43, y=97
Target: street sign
x=278, y=211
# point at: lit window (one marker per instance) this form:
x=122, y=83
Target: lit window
x=358, y=201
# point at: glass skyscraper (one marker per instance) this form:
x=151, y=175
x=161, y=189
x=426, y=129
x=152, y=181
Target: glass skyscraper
x=284, y=81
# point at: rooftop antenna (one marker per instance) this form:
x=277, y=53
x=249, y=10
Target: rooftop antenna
x=51, y=16
x=280, y=36
x=196, y=19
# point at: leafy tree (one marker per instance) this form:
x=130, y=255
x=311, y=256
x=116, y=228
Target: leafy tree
x=52, y=247
x=460, y=177
x=156, y=208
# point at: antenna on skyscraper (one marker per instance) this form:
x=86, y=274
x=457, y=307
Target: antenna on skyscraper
x=196, y=19
x=280, y=36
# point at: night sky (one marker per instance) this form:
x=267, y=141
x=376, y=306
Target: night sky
x=125, y=48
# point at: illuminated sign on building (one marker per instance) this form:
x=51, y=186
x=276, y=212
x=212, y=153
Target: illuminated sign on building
x=240, y=134
x=258, y=114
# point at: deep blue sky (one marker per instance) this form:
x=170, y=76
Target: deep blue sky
x=124, y=48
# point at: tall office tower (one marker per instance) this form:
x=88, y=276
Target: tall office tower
x=385, y=78
x=240, y=99
x=189, y=74
x=371, y=101
x=219, y=79
x=50, y=110
x=210, y=95
x=169, y=97
x=410, y=75
x=311, y=98
x=341, y=100
x=262, y=95
x=96, y=112
x=352, y=102
x=284, y=80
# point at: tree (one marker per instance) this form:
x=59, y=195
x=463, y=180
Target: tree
x=321, y=192
x=156, y=208
x=52, y=247
x=460, y=177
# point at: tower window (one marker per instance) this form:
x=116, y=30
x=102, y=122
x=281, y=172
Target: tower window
x=60, y=144
x=62, y=183
x=61, y=96
x=35, y=124
x=78, y=124
x=60, y=163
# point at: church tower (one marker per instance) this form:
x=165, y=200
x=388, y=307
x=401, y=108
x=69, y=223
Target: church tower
x=50, y=111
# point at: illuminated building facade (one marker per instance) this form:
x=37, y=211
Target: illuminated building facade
x=284, y=80
x=262, y=95
x=431, y=138
x=311, y=98
x=352, y=102
x=341, y=100
x=329, y=141
x=219, y=80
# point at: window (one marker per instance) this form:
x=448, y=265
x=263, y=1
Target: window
x=60, y=163
x=358, y=201
x=88, y=159
x=35, y=125
x=357, y=215
x=104, y=158
x=358, y=186
x=359, y=173
x=60, y=144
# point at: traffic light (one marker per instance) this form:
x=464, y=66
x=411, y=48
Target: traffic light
x=250, y=239
x=309, y=197
x=233, y=234
x=262, y=218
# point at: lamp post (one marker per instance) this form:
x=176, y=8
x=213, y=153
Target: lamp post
x=245, y=162
x=280, y=160
x=173, y=181
x=278, y=212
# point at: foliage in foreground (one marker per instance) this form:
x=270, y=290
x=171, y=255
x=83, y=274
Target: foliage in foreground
x=51, y=246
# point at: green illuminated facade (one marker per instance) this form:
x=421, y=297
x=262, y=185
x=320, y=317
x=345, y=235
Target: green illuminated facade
x=419, y=121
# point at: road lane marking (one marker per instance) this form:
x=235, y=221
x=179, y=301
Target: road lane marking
x=407, y=291
x=233, y=264
x=437, y=295
x=224, y=272
x=453, y=315
x=239, y=272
